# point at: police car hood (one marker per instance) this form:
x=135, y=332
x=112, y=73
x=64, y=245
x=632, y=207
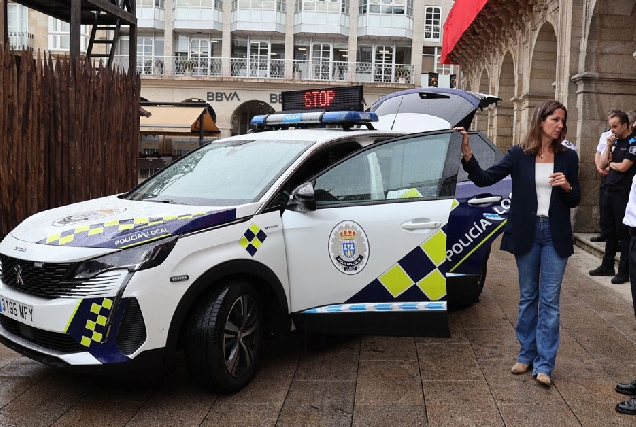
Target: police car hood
x=114, y=223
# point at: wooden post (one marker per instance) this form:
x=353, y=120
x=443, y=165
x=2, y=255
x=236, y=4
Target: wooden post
x=76, y=18
x=132, y=39
x=4, y=25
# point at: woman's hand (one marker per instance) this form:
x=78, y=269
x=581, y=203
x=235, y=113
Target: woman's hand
x=467, y=152
x=558, y=180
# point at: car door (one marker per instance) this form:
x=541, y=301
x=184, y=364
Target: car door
x=478, y=218
x=376, y=233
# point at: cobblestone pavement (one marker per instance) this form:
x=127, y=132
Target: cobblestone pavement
x=368, y=381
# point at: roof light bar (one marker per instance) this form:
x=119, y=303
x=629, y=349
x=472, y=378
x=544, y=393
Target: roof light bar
x=349, y=118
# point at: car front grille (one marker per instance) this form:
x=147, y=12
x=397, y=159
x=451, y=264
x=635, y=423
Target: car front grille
x=38, y=279
x=48, y=280
x=63, y=343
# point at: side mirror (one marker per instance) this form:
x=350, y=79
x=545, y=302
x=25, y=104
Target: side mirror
x=302, y=198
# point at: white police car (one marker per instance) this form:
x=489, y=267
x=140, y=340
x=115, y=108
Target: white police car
x=354, y=231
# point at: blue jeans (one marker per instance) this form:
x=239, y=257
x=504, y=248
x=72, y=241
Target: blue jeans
x=540, y=276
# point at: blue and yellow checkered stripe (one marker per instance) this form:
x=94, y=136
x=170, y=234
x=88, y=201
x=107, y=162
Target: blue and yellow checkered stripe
x=96, y=324
x=420, y=268
x=86, y=231
x=252, y=239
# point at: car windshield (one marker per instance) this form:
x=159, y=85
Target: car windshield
x=223, y=173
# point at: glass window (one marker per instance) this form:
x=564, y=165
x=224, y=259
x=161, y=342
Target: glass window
x=431, y=57
x=278, y=5
x=17, y=16
x=223, y=173
x=60, y=35
x=387, y=7
x=433, y=23
x=484, y=152
x=406, y=168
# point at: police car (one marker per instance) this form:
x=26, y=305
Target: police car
x=336, y=228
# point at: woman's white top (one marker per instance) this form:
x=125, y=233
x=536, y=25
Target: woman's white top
x=544, y=189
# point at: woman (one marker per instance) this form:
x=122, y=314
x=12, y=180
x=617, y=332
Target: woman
x=538, y=233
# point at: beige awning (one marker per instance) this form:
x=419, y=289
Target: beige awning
x=169, y=120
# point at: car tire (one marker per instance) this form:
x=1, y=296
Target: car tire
x=223, y=337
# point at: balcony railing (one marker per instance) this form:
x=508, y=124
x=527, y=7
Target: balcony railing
x=20, y=40
x=175, y=66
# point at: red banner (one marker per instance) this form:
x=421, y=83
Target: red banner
x=461, y=15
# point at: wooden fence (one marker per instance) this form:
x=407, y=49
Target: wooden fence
x=68, y=132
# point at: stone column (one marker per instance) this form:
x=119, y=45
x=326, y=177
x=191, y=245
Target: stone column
x=168, y=37
x=226, y=49
x=289, y=40
x=419, y=9
x=588, y=129
x=354, y=7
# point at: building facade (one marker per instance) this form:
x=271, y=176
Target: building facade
x=240, y=54
x=578, y=52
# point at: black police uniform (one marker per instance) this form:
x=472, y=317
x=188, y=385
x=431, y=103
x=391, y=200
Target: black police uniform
x=617, y=186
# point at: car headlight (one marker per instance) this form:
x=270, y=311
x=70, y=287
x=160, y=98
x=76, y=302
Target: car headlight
x=136, y=258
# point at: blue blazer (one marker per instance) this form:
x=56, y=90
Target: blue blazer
x=518, y=232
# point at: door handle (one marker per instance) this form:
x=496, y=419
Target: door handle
x=484, y=200
x=415, y=224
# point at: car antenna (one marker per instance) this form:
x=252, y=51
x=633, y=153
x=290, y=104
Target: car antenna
x=398, y=112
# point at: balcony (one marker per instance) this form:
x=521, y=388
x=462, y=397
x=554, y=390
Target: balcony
x=20, y=40
x=318, y=22
x=199, y=18
x=277, y=69
x=398, y=26
x=256, y=20
x=151, y=17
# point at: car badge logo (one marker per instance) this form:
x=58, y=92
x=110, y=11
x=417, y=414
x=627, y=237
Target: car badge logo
x=18, y=275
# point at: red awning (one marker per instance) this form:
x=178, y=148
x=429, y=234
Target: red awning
x=459, y=19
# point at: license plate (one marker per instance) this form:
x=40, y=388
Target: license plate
x=16, y=310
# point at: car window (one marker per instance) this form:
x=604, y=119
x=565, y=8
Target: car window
x=222, y=173
x=412, y=167
x=484, y=151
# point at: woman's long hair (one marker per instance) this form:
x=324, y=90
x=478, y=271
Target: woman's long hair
x=531, y=143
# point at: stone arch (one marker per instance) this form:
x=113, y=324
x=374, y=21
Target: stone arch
x=243, y=114
x=543, y=64
x=503, y=121
x=541, y=83
x=480, y=122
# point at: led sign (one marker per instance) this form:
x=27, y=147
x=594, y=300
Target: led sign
x=339, y=98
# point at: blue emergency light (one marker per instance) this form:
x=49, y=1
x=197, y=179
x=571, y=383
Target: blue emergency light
x=346, y=119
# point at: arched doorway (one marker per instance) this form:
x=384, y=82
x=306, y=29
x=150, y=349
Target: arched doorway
x=243, y=115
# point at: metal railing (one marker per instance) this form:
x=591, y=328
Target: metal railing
x=20, y=40
x=176, y=66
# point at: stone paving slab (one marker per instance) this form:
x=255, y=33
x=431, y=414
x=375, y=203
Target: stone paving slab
x=375, y=381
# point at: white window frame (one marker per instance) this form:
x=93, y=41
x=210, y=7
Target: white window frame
x=18, y=18
x=279, y=5
x=57, y=31
x=386, y=7
x=432, y=23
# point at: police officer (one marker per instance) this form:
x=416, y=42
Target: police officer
x=629, y=406
x=619, y=155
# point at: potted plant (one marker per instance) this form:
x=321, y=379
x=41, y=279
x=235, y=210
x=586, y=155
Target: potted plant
x=402, y=73
x=188, y=66
x=298, y=73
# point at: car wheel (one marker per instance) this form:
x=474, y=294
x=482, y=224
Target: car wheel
x=483, y=271
x=223, y=337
